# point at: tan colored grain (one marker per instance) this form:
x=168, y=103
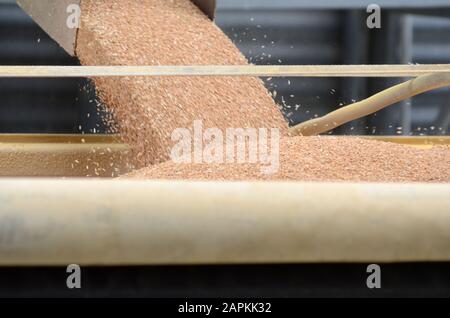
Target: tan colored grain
x=168, y=32
x=147, y=110
x=325, y=159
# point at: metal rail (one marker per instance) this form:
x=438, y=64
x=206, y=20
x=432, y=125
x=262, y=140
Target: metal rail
x=109, y=222
x=228, y=70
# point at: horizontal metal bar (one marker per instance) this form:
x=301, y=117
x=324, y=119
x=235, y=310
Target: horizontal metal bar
x=93, y=139
x=95, y=222
x=228, y=70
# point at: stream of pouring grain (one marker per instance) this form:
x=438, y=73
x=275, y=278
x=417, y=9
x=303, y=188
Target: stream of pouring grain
x=168, y=32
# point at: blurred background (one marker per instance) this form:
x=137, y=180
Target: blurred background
x=267, y=32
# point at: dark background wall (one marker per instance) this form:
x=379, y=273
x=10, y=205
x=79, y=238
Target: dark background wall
x=267, y=32
x=39, y=105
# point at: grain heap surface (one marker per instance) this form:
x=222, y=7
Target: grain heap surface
x=168, y=32
x=147, y=110
x=325, y=159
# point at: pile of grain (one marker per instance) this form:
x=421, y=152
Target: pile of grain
x=325, y=159
x=147, y=110
x=168, y=32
